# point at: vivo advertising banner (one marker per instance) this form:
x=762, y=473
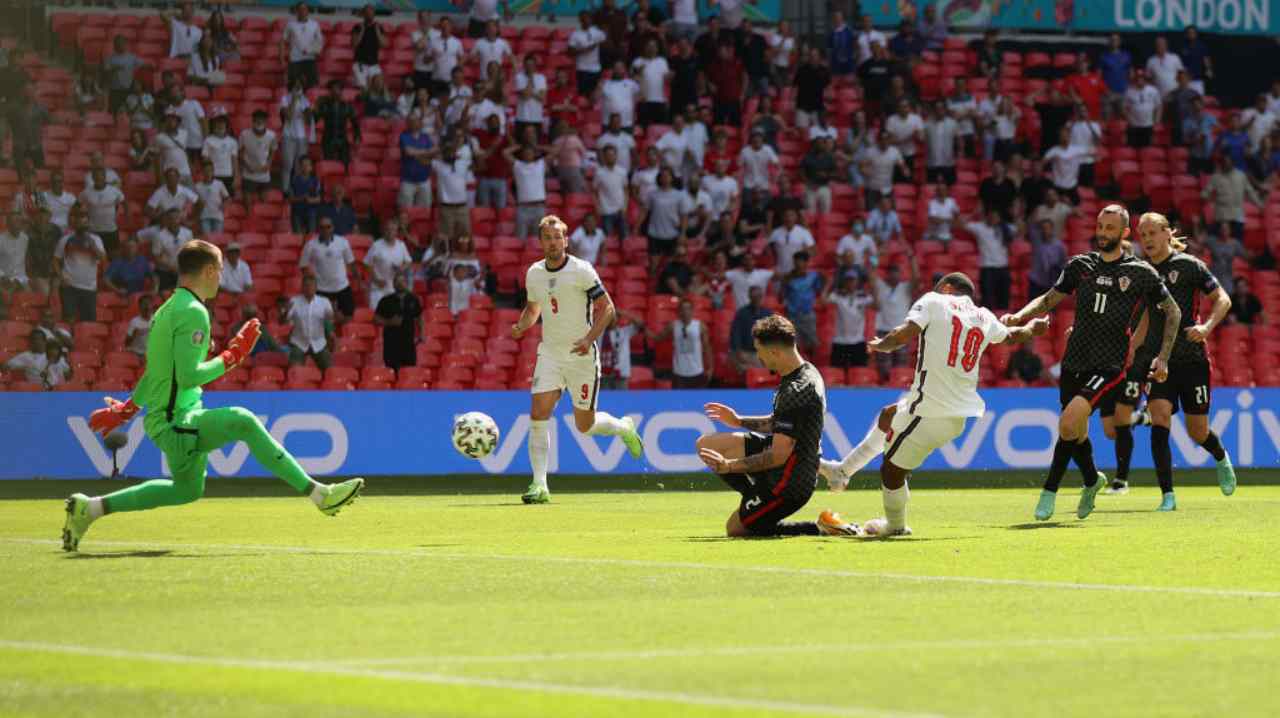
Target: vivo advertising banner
x=1242, y=17
x=408, y=433
x=757, y=11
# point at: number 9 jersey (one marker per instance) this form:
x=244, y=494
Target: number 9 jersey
x=955, y=334
x=565, y=296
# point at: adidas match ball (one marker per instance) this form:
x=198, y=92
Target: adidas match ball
x=475, y=434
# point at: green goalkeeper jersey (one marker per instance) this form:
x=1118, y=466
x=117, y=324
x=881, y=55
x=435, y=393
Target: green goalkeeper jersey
x=176, y=351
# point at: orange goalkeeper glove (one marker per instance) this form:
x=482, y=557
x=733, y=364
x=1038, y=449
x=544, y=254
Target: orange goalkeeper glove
x=117, y=414
x=241, y=344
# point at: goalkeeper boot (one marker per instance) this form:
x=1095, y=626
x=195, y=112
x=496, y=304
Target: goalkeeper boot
x=630, y=437
x=833, y=472
x=1044, y=507
x=1167, y=502
x=1088, y=495
x=1226, y=476
x=1117, y=486
x=536, y=494
x=340, y=495
x=830, y=524
x=78, y=521
x=880, y=529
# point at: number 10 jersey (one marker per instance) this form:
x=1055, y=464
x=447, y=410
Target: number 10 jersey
x=955, y=334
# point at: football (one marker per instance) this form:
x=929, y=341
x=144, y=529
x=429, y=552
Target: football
x=475, y=434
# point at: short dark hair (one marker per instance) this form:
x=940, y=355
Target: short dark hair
x=195, y=256
x=960, y=282
x=774, y=330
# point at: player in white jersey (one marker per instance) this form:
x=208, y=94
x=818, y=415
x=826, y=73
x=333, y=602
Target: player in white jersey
x=575, y=309
x=954, y=332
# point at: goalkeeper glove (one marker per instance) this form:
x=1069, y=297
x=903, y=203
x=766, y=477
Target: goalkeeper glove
x=241, y=344
x=117, y=414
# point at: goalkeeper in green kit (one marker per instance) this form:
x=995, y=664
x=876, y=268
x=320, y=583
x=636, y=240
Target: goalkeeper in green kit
x=180, y=426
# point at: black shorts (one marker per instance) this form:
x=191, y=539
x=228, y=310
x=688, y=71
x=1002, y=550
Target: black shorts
x=773, y=495
x=1188, y=385
x=662, y=247
x=847, y=355
x=343, y=301
x=1094, y=386
x=1129, y=391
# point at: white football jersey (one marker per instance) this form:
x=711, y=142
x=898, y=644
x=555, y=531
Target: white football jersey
x=956, y=333
x=565, y=296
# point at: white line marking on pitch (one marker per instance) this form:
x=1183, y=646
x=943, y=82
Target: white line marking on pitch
x=735, y=651
x=686, y=566
x=632, y=694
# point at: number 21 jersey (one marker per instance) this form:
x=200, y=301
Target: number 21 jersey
x=955, y=334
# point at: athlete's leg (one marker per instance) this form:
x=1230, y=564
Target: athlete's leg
x=1161, y=419
x=870, y=446
x=186, y=486
x=1122, y=434
x=540, y=438
x=583, y=380
x=895, y=494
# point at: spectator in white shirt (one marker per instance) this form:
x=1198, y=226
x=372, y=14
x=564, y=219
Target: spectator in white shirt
x=849, y=344
x=212, y=194
x=609, y=188
x=757, y=160
x=328, y=256
x=258, y=147
x=904, y=129
x=883, y=222
x=618, y=95
x=782, y=45
x=1142, y=110
x=868, y=37
x=484, y=13
x=31, y=363
x=300, y=45
x=1064, y=160
x=184, y=34
x=96, y=161
x=422, y=39
x=788, y=239
x=880, y=165
x=103, y=203
x=623, y=142
x=1163, y=67
x=615, y=349
x=653, y=74
x=223, y=151
x=964, y=108
x=858, y=248
x=529, y=171
x=587, y=240
x=191, y=118
x=451, y=172
x=742, y=279
x=171, y=148
x=135, y=338
x=58, y=200
x=297, y=129
x=75, y=277
x=584, y=45
x=531, y=94
x=893, y=298
x=993, y=237
x=446, y=53
x=13, y=255
x=236, y=277
x=171, y=196
x=666, y=217
x=1258, y=121
x=167, y=239
x=312, y=319
x=723, y=189
x=1086, y=135
x=942, y=144
x=943, y=210
x=673, y=146
x=387, y=258
x=489, y=49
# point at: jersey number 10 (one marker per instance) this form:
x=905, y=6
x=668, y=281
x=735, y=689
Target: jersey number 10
x=972, y=345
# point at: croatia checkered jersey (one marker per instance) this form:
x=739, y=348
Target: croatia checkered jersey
x=1187, y=279
x=955, y=334
x=1109, y=297
x=565, y=296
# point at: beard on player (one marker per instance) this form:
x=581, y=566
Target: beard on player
x=1107, y=244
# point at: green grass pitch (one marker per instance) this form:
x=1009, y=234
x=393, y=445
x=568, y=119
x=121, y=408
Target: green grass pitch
x=432, y=598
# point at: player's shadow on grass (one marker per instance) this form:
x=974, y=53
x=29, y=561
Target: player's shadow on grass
x=155, y=553
x=487, y=506
x=1035, y=525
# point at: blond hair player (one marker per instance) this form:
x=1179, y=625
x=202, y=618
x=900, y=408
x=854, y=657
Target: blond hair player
x=575, y=309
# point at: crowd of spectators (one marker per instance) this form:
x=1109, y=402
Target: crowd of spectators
x=692, y=155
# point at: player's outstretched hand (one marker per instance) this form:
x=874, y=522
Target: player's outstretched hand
x=1039, y=326
x=582, y=346
x=1196, y=333
x=1010, y=320
x=723, y=414
x=114, y=416
x=516, y=331
x=877, y=345
x=1159, y=370
x=713, y=460
x=241, y=344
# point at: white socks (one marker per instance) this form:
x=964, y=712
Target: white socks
x=895, y=506
x=606, y=425
x=862, y=454
x=540, y=444
x=95, y=508
x=319, y=492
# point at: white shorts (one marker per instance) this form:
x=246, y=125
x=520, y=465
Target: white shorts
x=912, y=438
x=579, y=375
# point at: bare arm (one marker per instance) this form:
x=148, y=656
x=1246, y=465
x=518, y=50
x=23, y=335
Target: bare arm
x=1022, y=335
x=899, y=337
x=528, y=317
x=1172, y=318
x=1037, y=307
x=602, y=316
x=1221, y=306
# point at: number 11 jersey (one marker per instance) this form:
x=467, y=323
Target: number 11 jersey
x=955, y=334
x=1109, y=296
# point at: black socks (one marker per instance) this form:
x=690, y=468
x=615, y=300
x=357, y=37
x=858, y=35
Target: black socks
x=1163, y=457
x=1084, y=459
x=1213, y=445
x=1062, y=452
x=1124, y=451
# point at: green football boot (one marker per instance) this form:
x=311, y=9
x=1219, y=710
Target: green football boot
x=536, y=495
x=77, y=522
x=1044, y=508
x=631, y=438
x=1226, y=476
x=341, y=495
x=1087, y=496
x=1168, y=503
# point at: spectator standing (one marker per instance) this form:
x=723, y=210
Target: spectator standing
x=1245, y=307
x=368, y=38
x=98, y=162
x=1234, y=141
x=1180, y=106
x=613, y=21
x=906, y=44
x=167, y=238
x=741, y=344
x=782, y=46
x=171, y=196
x=1224, y=250
x=464, y=281
x=788, y=240
x=423, y=38
x=300, y=45
x=139, y=328
x=570, y=155
x=484, y=13
x=1228, y=188
x=876, y=76
x=691, y=358
x=1143, y=109
x=192, y=119
x=328, y=256
x=859, y=247
x=258, y=146
x=205, y=68
x=339, y=210
x=677, y=276
x=337, y=115
x=1053, y=210
x=942, y=144
x=1086, y=135
x=904, y=130
x=531, y=94
x=867, y=39
x=451, y=173
x=1163, y=67
x=990, y=57
x=584, y=45
x=58, y=200
x=236, y=277
x=1048, y=258
x=297, y=128
x=139, y=105
x=618, y=95
x=490, y=49
x=399, y=313
x=1086, y=87
x=103, y=204
x=997, y=191
x=812, y=78
x=994, y=279
x=223, y=152
x=76, y=261
x=171, y=149
x=13, y=256
x=43, y=241
x=615, y=350
x=841, y=45
x=416, y=152
x=119, y=68
x=819, y=169
x=1115, y=65
x=184, y=34
x=747, y=277
x=881, y=163
x=587, y=240
x=893, y=298
x=529, y=170
x=652, y=72
x=883, y=222
x=942, y=212
x=609, y=188
x=801, y=291
x=387, y=259
x=1258, y=121
x=666, y=216
x=849, y=345
x=727, y=77
x=1064, y=161
x=1195, y=58
x=493, y=168
x=962, y=106
x=305, y=196
x=932, y=29
x=129, y=271
x=757, y=160
x=312, y=319
x=723, y=189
